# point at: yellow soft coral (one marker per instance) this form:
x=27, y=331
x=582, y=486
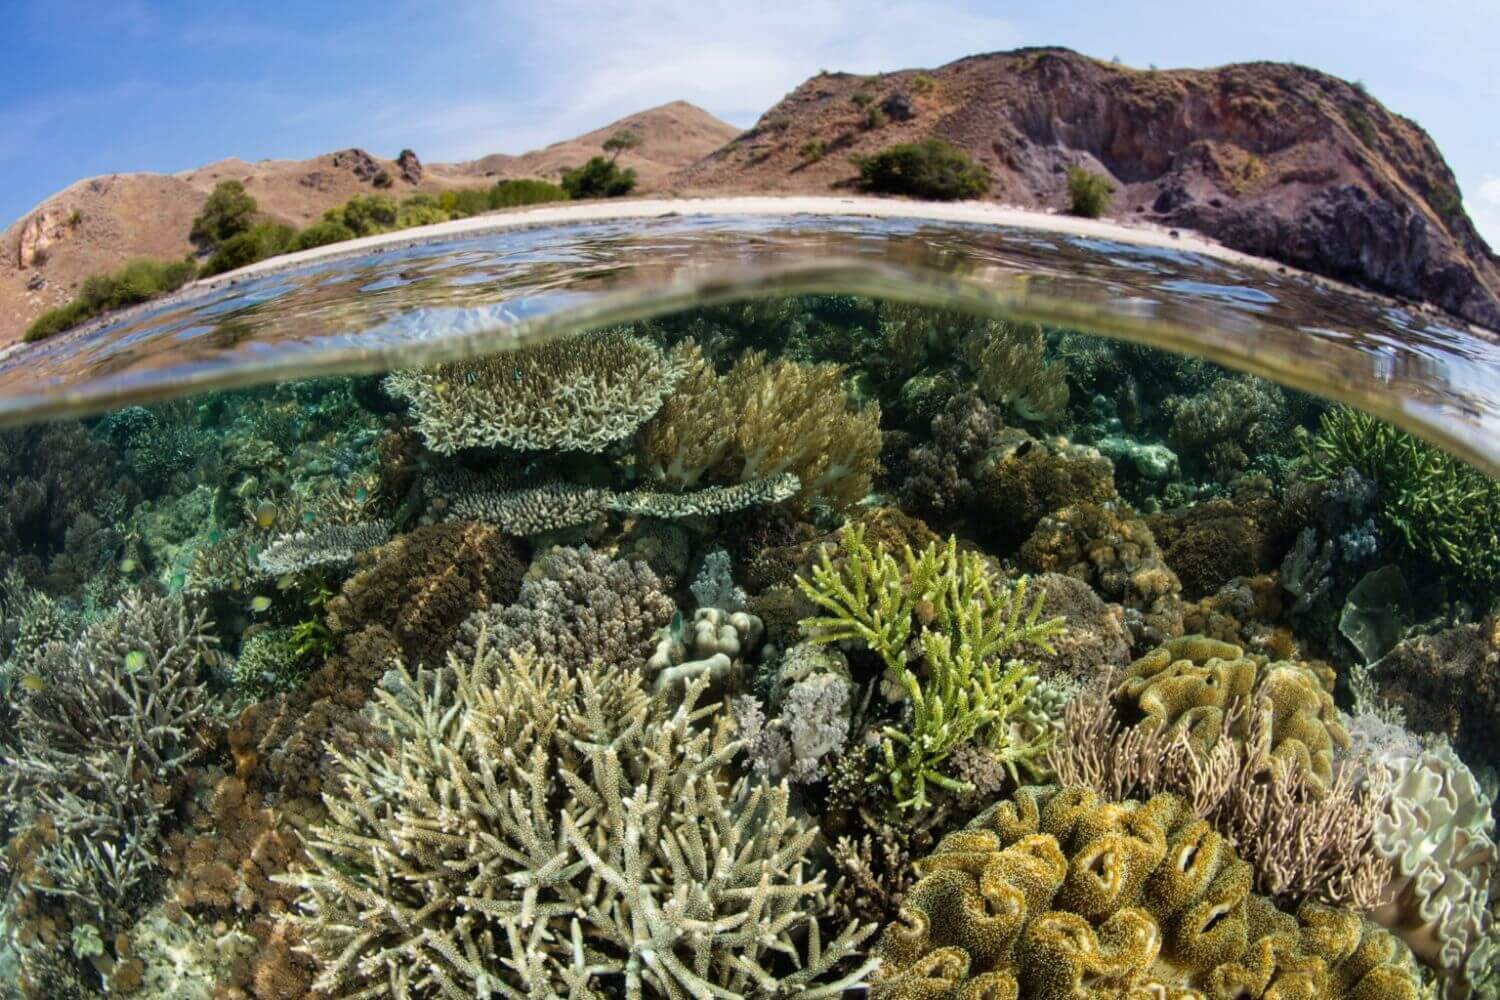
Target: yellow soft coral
x=1057, y=894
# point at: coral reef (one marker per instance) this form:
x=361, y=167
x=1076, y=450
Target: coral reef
x=1223, y=426
x=579, y=394
x=1211, y=543
x=1093, y=639
x=1447, y=683
x=761, y=420
x=1113, y=551
x=715, y=645
x=440, y=874
x=331, y=545
x=1060, y=894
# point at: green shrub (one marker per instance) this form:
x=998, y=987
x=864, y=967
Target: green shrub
x=923, y=84
x=75, y=218
x=366, y=214
x=319, y=234
x=228, y=212
x=137, y=281
x=382, y=179
x=874, y=119
x=931, y=169
x=862, y=99
x=1361, y=124
x=620, y=142
x=420, y=210
x=778, y=123
x=1445, y=201
x=526, y=191
x=813, y=149
x=1088, y=193
x=465, y=202
x=262, y=240
x=598, y=178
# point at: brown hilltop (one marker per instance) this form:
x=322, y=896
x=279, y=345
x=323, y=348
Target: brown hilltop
x=1269, y=158
x=98, y=224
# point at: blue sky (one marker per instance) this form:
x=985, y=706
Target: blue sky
x=113, y=85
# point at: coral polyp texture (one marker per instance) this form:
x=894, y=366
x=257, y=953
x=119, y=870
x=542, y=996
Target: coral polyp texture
x=581, y=393
x=1059, y=894
x=534, y=830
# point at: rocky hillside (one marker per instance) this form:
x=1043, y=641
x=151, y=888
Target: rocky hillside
x=98, y=224
x=1269, y=158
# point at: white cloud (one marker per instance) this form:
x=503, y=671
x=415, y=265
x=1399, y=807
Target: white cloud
x=1484, y=209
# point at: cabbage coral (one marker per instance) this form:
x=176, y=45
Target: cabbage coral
x=763, y=420
x=581, y=393
x=1059, y=895
x=535, y=829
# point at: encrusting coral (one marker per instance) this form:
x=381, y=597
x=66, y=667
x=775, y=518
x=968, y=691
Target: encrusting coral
x=962, y=621
x=580, y=605
x=1059, y=894
x=537, y=828
x=581, y=393
x=761, y=420
x=422, y=585
x=1112, y=550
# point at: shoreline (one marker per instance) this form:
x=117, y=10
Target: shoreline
x=760, y=206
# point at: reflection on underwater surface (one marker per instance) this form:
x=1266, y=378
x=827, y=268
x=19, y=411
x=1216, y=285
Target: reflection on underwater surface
x=766, y=647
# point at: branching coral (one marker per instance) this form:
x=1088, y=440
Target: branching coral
x=1442, y=509
x=964, y=622
x=1057, y=894
x=1233, y=419
x=535, y=829
x=762, y=420
x=1306, y=839
x=112, y=726
x=580, y=606
x=582, y=393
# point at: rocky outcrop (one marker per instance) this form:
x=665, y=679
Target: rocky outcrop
x=359, y=163
x=38, y=233
x=1271, y=159
x=410, y=167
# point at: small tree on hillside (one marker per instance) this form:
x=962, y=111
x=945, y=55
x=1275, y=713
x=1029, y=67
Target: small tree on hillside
x=228, y=212
x=620, y=142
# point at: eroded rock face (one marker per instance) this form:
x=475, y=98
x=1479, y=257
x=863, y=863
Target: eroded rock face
x=42, y=230
x=410, y=166
x=1270, y=158
x=357, y=162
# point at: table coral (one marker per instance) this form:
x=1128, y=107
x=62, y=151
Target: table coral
x=581, y=393
x=1058, y=894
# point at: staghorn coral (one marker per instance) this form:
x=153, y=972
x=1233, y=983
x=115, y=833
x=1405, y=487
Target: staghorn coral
x=1305, y=839
x=423, y=584
x=1205, y=689
x=329, y=545
x=580, y=606
x=535, y=828
x=1112, y=550
x=963, y=622
x=582, y=393
x=762, y=420
x=1439, y=837
x=1058, y=894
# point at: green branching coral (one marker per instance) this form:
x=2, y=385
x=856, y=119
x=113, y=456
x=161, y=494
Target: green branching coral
x=964, y=622
x=582, y=393
x=1443, y=510
x=534, y=828
x=1058, y=894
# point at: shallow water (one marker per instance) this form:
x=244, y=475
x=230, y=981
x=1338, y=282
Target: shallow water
x=654, y=654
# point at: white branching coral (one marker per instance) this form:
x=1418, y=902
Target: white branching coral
x=534, y=829
x=581, y=393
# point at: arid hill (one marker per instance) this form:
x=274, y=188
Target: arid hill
x=1271, y=159
x=98, y=224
